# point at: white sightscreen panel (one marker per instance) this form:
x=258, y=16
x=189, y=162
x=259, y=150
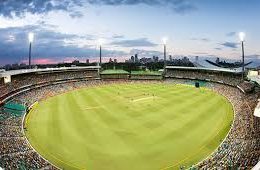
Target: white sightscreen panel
x=257, y=112
x=257, y=167
x=7, y=79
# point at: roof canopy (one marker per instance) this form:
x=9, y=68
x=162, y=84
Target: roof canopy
x=25, y=71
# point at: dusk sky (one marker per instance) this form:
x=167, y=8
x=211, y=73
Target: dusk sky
x=70, y=29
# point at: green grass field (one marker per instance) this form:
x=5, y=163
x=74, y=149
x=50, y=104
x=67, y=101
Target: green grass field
x=129, y=126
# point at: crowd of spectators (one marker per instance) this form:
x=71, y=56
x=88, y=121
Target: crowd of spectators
x=246, y=86
x=15, y=153
x=14, y=148
x=225, y=78
x=240, y=149
x=1, y=81
x=24, y=80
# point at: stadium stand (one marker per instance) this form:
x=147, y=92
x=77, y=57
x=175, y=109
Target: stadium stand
x=240, y=149
x=224, y=76
x=146, y=75
x=246, y=86
x=26, y=79
x=1, y=81
x=114, y=74
x=134, y=75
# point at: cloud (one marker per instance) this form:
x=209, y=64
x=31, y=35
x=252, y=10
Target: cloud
x=253, y=57
x=145, y=53
x=201, y=39
x=178, y=6
x=18, y=8
x=118, y=36
x=230, y=45
x=141, y=42
x=217, y=48
x=48, y=44
x=200, y=53
x=231, y=34
x=76, y=14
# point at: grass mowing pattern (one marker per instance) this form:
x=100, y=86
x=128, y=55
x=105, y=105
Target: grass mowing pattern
x=129, y=126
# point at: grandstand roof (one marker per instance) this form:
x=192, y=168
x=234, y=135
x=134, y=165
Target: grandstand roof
x=24, y=71
x=205, y=69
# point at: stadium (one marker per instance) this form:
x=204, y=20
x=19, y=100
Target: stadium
x=88, y=118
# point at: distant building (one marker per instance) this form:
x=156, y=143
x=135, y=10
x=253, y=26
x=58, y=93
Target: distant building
x=132, y=59
x=15, y=66
x=217, y=60
x=115, y=60
x=170, y=57
x=110, y=60
x=155, y=59
x=87, y=61
x=185, y=60
x=197, y=58
x=22, y=64
x=75, y=62
x=146, y=60
x=136, y=58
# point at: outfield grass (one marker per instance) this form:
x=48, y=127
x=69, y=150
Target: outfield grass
x=129, y=126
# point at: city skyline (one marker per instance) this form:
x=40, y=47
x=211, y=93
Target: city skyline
x=69, y=30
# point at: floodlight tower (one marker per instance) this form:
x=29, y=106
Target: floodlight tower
x=242, y=39
x=164, y=40
x=100, y=43
x=30, y=38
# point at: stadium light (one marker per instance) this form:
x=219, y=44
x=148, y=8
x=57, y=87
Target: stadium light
x=100, y=43
x=242, y=36
x=31, y=39
x=164, y=40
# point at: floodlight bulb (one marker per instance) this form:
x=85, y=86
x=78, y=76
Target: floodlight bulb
x=100, y=41
x=242, y=36
x=31, y=37
x=164, y=40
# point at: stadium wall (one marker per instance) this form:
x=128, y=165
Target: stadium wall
x=114, y=76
